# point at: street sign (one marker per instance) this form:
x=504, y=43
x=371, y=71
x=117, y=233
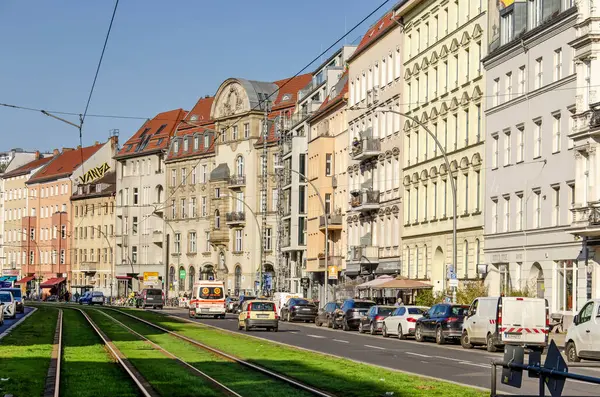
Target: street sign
x=453, y=276
x=449, y=271
x=151, y=278
x=513, y=376
x=332, y=272
x=181, y=273
x=304, y=282
x=556, y=362
x=453, y=283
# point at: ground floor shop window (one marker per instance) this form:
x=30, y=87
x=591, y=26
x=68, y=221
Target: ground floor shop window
x=566, y=274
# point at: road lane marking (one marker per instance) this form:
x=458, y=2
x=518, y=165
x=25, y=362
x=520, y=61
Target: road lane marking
x=316, y=336
x=341, y=341
x=476, y=365
x=449, y=358
x=375, y=347
x=417, y=354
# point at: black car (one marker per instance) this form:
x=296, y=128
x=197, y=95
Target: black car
x=348, y=316
x=243, y=298
x=299, y=309
x=443, y=321
x=373, y=321
x=326, y=313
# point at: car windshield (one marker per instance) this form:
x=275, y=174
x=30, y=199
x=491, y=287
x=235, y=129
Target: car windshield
x=301, y=302
x=385, y=311
x=263, y=306
x=98, y=293
x=363, y=305
x=459, y=310
x=15, y=291
x=154, y=292
x=211, y=293
x=415, y=310
x=5, y=297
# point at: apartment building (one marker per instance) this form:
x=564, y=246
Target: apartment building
x=444, y=43
x=530, y=180
x=586, y=213
x=295, y=191
x=92, y=236
x=142, y=201
x=327, y=162
x=189, y=163
x=374, y=215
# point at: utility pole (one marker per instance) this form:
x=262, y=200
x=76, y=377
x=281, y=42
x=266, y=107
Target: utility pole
x=265, y=180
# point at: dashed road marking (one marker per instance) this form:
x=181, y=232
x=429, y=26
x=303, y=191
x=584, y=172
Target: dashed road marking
x=417, y=354
x=375, y=347
x=341, y=341
x=316, y=336
x=475, y=364
x=449, y=358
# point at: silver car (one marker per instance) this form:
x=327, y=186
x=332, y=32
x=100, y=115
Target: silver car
x=9, y=304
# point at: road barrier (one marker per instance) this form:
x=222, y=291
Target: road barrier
x=552, y=374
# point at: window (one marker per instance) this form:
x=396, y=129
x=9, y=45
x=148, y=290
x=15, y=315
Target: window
x=183, y=209
x=537, y=209
x=519, y=225
x=495, y=151
x=62, y=257
x=478, y=191
x=246, y=130
x=268, y=238
x=478, y=46
x=478, y=138
x=494, y=216
x=193, y=175
x=134, y=226
x=457, y=8
x=204, y=173
x=508, y=86
x=192, y=242
x=183, y=176
x=467, y=63
x=275, y=198
x=203, y=206
x=446, y=21
x=456, y=68
x=507, y=214
x=217, y=219
x=206, y=141
x=507, y=28
x=207, y=239
x=134, y=254
x=238, y=240
x=192, y=211
x=173, y=177
x=136, y=197
x=328, y=203
x=173, y=209
x=177, y=243
x=556, y=206
x=196, y=147
x=185, y=144
x=496, y=93
x=328, y=164
x=539, y=72
x=557, y=64
x=466, y=115
x=446, y=76
x=223, y=134
x=455, y=118
x=217, y=192
x=556, y=133
x=507, y=148
x=435, y=200
x=534, y=13
x=520, y=144
x=175, y=149
x=234, y=132
x=302, y=199
x=239, y=165
x=537, y=139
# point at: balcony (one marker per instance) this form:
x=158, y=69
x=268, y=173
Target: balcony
x=332, y=260
x=586, y=220
x=235, y=218
x=334, y=222
x=285, y=241
x=365, y=200
x=219, y=236
x=365, y=148
x=334, y=182
x=366, y=254
x=237, y=181
x=286, y=178
x=122, y=240
x=157, y=237
x=287, y=147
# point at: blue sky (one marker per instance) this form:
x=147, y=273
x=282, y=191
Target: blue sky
x=161, y=55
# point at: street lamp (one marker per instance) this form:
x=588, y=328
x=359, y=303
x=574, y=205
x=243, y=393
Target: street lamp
x=325, y=215
x=452, y=183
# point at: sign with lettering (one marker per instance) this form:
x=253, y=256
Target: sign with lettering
x=94, y=173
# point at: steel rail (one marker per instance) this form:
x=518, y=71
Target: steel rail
x=52, y=386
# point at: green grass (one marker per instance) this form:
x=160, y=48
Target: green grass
x=25, y=354
x=87, y=367
x=166, y=376
x=336, y=375
x=245, y=381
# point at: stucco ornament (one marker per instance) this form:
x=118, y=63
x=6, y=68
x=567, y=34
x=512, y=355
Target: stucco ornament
x=233, y=102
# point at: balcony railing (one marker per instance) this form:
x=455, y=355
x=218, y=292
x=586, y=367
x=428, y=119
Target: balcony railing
x=286, y=177
x=334, y=181
x=237, y=180
x=586, y=217
x=365, y=148
x=287, y=147
x=235, y=217
x=365, y=200
x=157, y=237
x=363, y=254
x=333, y=221
x=285, y=241
x=332, y=260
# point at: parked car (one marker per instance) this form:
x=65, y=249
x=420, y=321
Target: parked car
x=348, y=316
x=373, y=320
x=583, y=337
x=152, y=297
x=326, y=313
x=16, y=292
x=1, y=313
x=443, y=321
x=402, y=321
x=9, y=305
x=258, y=314
x=496, y=321
x=299, y=309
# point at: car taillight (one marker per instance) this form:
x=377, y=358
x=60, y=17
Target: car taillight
x=379, y=318
x=453, y=319
x=275, y=310
x=249, y=310
x=411, y=320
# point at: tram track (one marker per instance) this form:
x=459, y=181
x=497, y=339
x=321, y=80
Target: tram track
x=52, y=386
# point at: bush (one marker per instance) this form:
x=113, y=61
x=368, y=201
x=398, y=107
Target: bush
x=469, y=291
x=426, y=297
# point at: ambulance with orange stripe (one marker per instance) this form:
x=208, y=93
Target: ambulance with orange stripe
x=497, y=321
x=208, y=299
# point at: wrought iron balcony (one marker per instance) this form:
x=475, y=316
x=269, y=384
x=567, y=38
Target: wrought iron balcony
x=365, y=200
x=235, y=218
x=586, y=220
x=363, y=254
x=334, y=222
x=237, y=181
x=365, y=148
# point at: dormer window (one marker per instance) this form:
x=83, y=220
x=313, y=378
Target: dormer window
x=194, y=117
x=185, y=144
x=176, y=146
x=196, y=143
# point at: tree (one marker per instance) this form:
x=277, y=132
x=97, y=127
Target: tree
x=469, y=291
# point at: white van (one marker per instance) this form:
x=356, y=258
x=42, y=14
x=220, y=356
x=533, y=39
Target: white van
x=208, y=299
x=583, y=337
x=498, y=321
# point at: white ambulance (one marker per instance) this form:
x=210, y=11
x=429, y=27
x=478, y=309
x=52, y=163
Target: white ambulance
x=497, y=321
x=208, y=299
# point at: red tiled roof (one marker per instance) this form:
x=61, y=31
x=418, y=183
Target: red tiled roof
x=153, y=135
x=189, y=134
x=331, y=101
x=290, y=86
x=201, y=111
x=375, y=31
x=25, y=169
x=64, y=164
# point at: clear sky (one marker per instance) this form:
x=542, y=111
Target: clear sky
x=161, y=55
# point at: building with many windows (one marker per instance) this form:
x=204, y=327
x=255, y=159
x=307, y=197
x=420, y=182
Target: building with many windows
x=530, y=176
x=443, y=87
x=374, y=214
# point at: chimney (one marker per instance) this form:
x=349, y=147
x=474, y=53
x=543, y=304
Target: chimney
x=96, y=143
x=56, y=152
x=67, y=149
x=114, y=139
x=78, y=147
x=37, y=154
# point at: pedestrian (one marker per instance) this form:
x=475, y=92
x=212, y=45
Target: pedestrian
x=399, y=302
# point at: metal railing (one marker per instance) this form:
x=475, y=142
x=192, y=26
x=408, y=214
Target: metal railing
x=364, y=145
x=365, y=197
x=587, y=216
x=237, y=180
x=334, y=219
x=237, y=216
x=360, y=253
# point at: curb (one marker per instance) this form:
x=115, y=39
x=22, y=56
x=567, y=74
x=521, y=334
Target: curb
x=9, y=330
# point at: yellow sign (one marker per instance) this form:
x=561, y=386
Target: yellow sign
x=205, y=291
x=151, y=277
x=217, y=290
x=505, y=3
x=332, y=272
x=94, y=173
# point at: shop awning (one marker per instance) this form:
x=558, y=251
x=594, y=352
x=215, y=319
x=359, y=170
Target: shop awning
x=52, y=282
x=123, y=277
x=10, y=279
x=403, y=283
x=25, y=280
x=374, y=283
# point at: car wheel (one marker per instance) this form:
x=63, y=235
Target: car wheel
x=464, y=341
x=439, y=336
x=329, y=323
x=345, y=325
x=419, y=334
x=317, y=323
x=190, y=314
x=275, y=329
x=246, y=326
x=333, y=324
x=372, y=330
x=401, y=332
x=361, y=330
x=289, y=317
x=384, y=331
x=571, y=350
x=239, y=326
x=490, y=344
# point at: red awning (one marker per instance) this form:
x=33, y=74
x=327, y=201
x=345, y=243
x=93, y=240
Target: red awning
x=52, y=282
x=123, y=277
x=25, y=280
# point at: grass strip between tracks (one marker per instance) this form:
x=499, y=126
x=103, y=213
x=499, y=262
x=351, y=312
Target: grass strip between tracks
x=167, y=376
x=336, y=375
x=245, y=381
x=88, y=369
x=25, y=354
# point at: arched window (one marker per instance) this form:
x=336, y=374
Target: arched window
x=239, y=165
x=408, y=261
x=426, y=260
x=120, y=198
x=238, y=279
x=192, y=278
x=181, y=278
x=466, y=258
x=171, y=277
x=159, y=194
x=217, y=219
x=477, y=254
x=416, y=262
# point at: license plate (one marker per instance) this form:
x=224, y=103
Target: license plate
x=262, y=315
x=204, y=310
x=512, y=336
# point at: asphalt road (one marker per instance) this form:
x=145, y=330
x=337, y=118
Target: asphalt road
x=8, y=322
x=447, y=362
